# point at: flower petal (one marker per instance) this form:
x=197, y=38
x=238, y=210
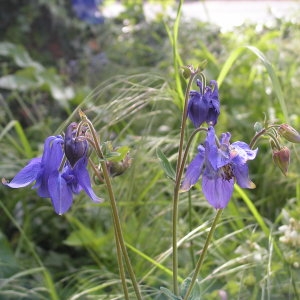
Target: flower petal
x=193, y=172
x=217, y=191
x=83, y=178
x=51, y=160
x=26, y=176
x=251, y=154
x=242, y=177
x=75, y=148
x=60, y=193
x=214, y=103
x=197, y=109
x=212, y=154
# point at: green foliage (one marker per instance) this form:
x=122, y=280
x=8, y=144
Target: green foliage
x=133, y=98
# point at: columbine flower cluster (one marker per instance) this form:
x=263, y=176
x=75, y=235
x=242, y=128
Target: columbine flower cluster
x=220, y=163
x=55, y=177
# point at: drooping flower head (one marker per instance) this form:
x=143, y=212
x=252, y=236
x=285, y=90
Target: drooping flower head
x=220, y=166
x=75, y=146
x=204, y=106
x=55, y=178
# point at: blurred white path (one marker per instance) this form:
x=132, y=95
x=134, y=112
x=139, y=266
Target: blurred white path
x=226, y=13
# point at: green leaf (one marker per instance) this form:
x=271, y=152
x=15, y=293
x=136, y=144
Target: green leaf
x=195, y=294
x=119, y=154
x=19, y=54
x=166, y=165
x=169, y=294
x=22, y=80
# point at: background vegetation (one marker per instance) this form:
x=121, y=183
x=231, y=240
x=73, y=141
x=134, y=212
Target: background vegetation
x=124, y=75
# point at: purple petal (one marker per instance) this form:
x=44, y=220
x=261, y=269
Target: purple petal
x=51, y=161
x=242, y=178
x=75, y=148
x=251, y=154
x=197, y=109
x=217, y=191
x=212, y=97
x=83, y=178
x=60, y=193
x=26, y=176
x=193, y=172
x=211, y=148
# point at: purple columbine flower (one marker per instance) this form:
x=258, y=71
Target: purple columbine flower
x=220, y=168
x=39, y=168
x=88, y=11
x=204, y=106
x=68, y=182
x=50, y=180
x=75, y=146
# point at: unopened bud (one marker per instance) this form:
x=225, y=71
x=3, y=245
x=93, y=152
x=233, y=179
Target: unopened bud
x=289, y=133
x=186, y=73
x=118, y=168
x=282, y=159
x=75, y=147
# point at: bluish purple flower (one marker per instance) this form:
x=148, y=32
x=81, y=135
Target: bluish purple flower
x=204, y=106
x=68, y=182
x=56, y=181
x=39, y=168
x=220, y=166
x=75, y=147
x=88, y=11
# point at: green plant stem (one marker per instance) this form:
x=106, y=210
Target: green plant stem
x=114, y=209
x=191, y=248
x=121, y=268
x=118, y=230
x=259, y=134
x=179, y=171
x=203, y=253
x=119, y=250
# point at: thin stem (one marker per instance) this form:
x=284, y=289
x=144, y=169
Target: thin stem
x=114, y=209
x=258, y=135
x=119, y=250
x=121, y=268
x=118, y=228
x=191, y=248
x=203, y=253
x=176, y=188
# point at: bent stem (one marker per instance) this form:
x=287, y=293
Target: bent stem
x=177, y=186
x=203, y=253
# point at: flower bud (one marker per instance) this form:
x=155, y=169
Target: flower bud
x=75, y=147
x=186, y=72
x=118, y=168
x=289, y=133
x=282, y=159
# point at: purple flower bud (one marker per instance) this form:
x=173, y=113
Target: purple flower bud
x=282, y=159
x=75, y=147
x=289, y=133
x=204, y=106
